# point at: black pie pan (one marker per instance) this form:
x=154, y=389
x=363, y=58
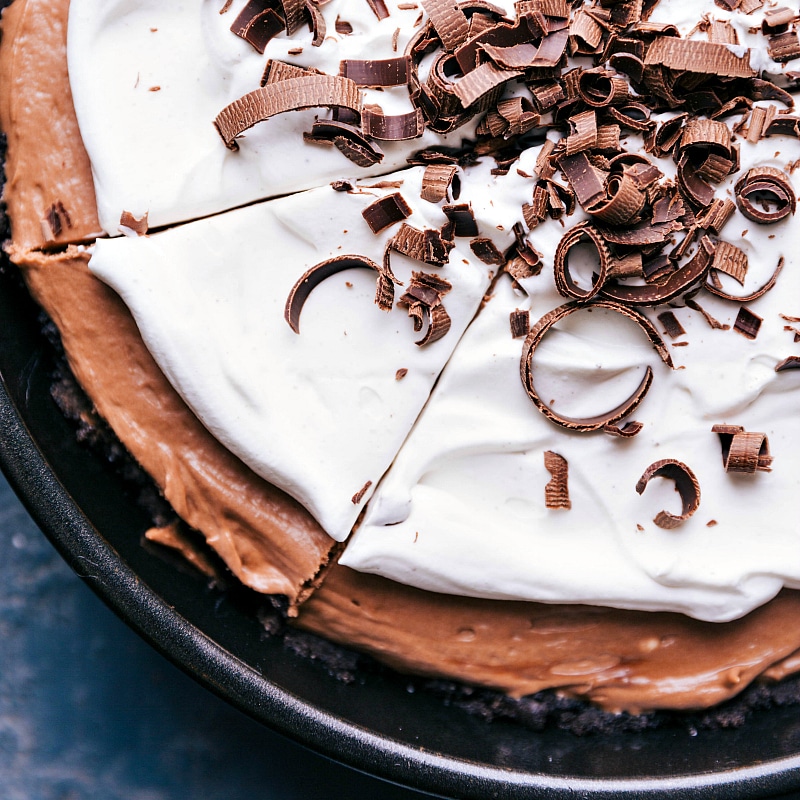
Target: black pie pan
x=374, y=724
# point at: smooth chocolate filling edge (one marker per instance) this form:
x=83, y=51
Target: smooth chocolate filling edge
x=633, y=661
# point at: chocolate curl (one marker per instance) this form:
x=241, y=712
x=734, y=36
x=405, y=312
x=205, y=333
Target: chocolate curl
x=791, y=362
x=624, y=200
x=676, y=284
x=713, y=286
x=378, y=8
x=257, y=23
x=714, y=217
x=519, y=321
x=293, y=94
x=760, y=120
x=378, y=72
x=462, y=218
x=317, y=21
x=482, y=82
x=784, y=46
x=427, y=246
x=685, y=482
x=437, y=181
x=586, y=181
x=300, y=292
x=731, y=260
x=584, y=133
x=386, y=211
x=601, y=421
x=695, y=55
x=583, y=232
x=394, y=128
x=293, y=14
x=349, y=139
x=672, y=327
x=449, y=22
x=486, y=250
x=556, y=492
x=765, y=181
x=742, y=451
x=747, y=323
x=276, y=71
x=601, y=87
x=424, y=299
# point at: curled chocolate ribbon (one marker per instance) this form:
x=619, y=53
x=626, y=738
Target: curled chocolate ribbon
x=601, y=421
x=300, y=292
x=685, y=482
x=765, y=181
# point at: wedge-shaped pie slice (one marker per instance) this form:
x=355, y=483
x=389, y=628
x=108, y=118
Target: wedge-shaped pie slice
x=149, y=78
x=320, y=412
x=467, y=508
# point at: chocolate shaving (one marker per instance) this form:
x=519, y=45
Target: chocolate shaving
x=427, y=246
x=349, y=139
x=791, y=362
x=400, y=374
x=293, y=94
x=672, y=327
x=424, y=298
x=743, y=451
x=685, y=482
x=437, y=180
x=386, y=211
x=599, y=422
x=378, y=8
x=695, y=55
x=449, y=22
x=257, y=23
x=626, y=431
x=482, y=82
x=716, y=289
x=556, y=492
x=275, y=71
x=364, y=155
x=761, y=183
x=300, y=292
x=676, y=284
x=318, y=26
x=714, y=323
x=394, y=128
x=747, y=323
x=136, y=224
x=380, y=72
x=565, y=283
x=486, y=250
x=342, y=27
x=583, y=178
x=359, y=495
x=462, y=218
x=520, y=323
x=784, y=46
x=731, y=260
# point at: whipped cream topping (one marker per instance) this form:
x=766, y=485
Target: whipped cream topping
x=321, y=413
x=462, y=510
x=149, y=77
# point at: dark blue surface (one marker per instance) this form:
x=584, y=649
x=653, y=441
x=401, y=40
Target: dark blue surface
x=89, y=711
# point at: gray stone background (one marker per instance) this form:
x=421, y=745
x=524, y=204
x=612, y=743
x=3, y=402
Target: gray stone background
x=89, y=711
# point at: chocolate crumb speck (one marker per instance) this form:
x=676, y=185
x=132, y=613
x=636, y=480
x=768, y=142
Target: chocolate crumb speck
x=711, y=523
x=400, y=374
x=154, y=89
x=359, y=495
